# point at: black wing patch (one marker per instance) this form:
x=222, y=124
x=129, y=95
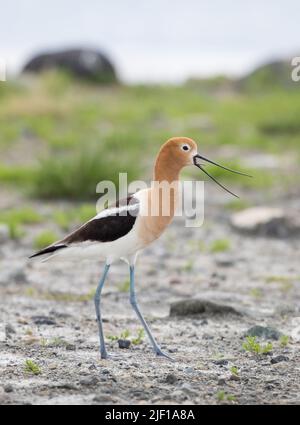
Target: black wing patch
x=119, y=220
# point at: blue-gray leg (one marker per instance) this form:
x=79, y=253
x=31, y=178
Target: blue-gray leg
x=97, y=300
x=135, y=306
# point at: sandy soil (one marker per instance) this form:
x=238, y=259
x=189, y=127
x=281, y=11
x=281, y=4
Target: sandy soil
x=47, y=316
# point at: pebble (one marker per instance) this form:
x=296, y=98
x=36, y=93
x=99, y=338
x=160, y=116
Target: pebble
x=43, y=320
x=70, y=347
x=171, y=379
x=8, y=388
x=266, y=332
x=221, y=362
x=9, y=330
x=124, y=343
x=224, y=261
x=279, y=359
x=89, y=381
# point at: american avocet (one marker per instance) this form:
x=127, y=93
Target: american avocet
x=121, y=231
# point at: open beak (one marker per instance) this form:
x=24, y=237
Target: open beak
x=199, y=165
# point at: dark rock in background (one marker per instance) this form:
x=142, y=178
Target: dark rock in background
x=264, y=332
x=195, y=306
x=86, y=64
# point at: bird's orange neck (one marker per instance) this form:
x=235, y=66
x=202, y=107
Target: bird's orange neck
x=165, y=169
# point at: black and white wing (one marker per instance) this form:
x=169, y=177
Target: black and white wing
x=111, y=224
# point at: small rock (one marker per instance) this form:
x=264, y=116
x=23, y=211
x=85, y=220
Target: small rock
x=52, y=366
x=171, y=379
x=224, y=261
x=103, y=399
x=266, y=221
x=4, y=233
x=266, y=332
x=234, y=377
x=221, y=381
x=9, y=330
x=31, y=340
x=67, y=386
x=43, y=320
x=196, y=306
x=207, y=336
x=124, y=343
x=70, y=347
x=221, y=362
x=279, y=359
x=175, y=281
x=8, y=388
x=90, y=381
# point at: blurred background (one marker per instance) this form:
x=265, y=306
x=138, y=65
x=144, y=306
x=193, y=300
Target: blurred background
x=94, y=89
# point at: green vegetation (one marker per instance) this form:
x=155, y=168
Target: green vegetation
x=188, y=266
x=285, y=283
x=220, y=245
x=59, y=296
x=124, y=287
x=284, y=340
x=126, y=335
x=256, y=293
x=234, y=370
x=32, y=368
x=67, y=217
x=223, y=396
x=255, y=347
x=86, y=133
x=139, y=338
x=15, y=218
x=44, y=239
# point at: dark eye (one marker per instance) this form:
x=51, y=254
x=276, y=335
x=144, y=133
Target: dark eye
x=185, y=148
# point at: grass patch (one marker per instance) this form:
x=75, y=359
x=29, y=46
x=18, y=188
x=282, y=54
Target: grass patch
x=66, y=218
x=284, y=340
x=91, y=133
x=220, y=245
x=32, y=368
x=59, y=296
x=234, y=370
x=256, y=293
x=16, y=218
x=124, y=287
x=44, y=239
x=75, y=175
x=139, y=338
x=18, y=176
x=286, y=283
x=135, y=340
x=251, y=345
x=223, y=396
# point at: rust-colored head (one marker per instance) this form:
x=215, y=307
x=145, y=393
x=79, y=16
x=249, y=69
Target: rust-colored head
x=177, y=152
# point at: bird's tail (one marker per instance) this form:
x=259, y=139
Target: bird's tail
x=49, y=250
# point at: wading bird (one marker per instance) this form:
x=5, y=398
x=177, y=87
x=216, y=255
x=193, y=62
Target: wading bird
x=123, y=230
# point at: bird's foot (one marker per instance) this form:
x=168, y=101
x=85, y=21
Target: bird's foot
x=110, y=356
x=103, y=354
x=160, y=353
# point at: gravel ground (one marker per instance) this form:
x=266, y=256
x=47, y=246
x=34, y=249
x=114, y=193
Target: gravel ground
x=47, y=316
